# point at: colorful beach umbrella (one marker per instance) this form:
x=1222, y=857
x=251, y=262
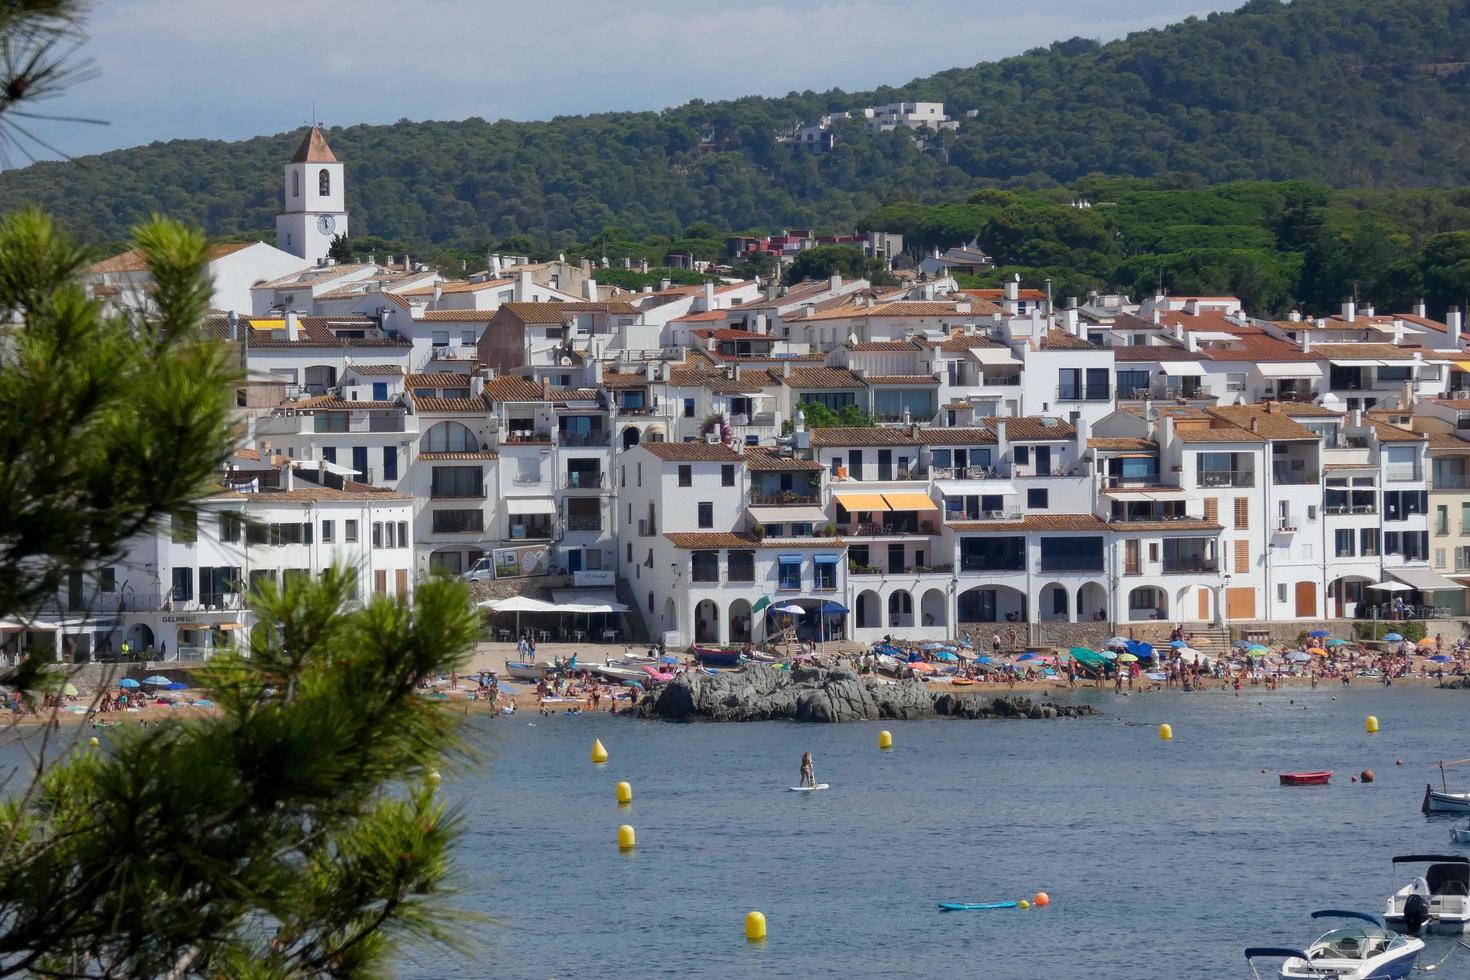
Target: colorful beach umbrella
x=1127, y=658
x=1117, y=641
x=69, y=689
x=1297, y=657
x=157, y=680
x=128, y=682
x=1320, y=634
x=1440, y=658
x=1241, y=645
x=1393, y=637
x=176, y=686
x=1316, y=652
x=946, y=656
x=1256, y=648
x=1425, y=644
x=1337, y=643
x=1176, y=644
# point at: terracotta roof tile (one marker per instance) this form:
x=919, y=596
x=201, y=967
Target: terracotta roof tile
x=1061, y=340
x=475, y=405
x=958, y=342
x=440, y=380
x=456, y=457
x=885, y=346
x=1154, y=352
x=823, y=377
x=1228, y=433
x=1260, y=347
x=1447, y=440
x=322, y=403
x=374, y=370
x=1271, y=425
x=314, y=149
x=693, y=452
x=1367, y=352
x=878, y=435
x=513, y=388
x=1392, y=433
x=557, y=312
x=902, y=379
x=1031, y=428
x=452, y=286
x=456, y=316
x=965, y=436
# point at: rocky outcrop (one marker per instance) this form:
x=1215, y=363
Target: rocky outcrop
x=817, y=694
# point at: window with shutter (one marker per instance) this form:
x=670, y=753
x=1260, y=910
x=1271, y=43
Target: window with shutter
x=1212, y=510
x=1242, y=513
x=1242, y=556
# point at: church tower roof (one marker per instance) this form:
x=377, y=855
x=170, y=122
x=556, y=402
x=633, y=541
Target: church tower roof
x=314, y=149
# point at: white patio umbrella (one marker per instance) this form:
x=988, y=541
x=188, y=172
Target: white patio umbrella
x=519, y=604
x=1392, y=587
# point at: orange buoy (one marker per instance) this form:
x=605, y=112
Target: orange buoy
x=1041, y=900
x=1366, y=775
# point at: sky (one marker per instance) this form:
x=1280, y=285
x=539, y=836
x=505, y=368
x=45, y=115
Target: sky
x=224, y=69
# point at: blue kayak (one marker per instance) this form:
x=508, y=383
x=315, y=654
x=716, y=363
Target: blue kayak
x=974, y=906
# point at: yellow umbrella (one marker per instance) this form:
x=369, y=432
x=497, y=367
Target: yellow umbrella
x=1127, y=658
x=1317, y=651
x=1425, y=644
x=69, y=689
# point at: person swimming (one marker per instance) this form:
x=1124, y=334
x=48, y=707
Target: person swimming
x=808, y=771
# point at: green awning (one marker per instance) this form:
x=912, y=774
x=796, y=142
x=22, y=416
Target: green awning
x=761, y=603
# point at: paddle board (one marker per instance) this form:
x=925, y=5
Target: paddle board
x=974, y=906
x=808, y=789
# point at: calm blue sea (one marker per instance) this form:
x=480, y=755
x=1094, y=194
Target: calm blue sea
x=1162, y=859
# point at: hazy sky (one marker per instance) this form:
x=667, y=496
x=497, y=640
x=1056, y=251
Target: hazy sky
x=230, y=69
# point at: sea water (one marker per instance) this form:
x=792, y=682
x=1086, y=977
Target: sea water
x=1162, y=859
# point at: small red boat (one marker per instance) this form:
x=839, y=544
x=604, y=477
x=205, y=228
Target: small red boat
x=1305, y=778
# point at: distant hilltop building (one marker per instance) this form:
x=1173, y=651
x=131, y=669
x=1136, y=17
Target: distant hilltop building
x=879, y=119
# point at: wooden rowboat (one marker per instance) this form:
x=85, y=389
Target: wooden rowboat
x=716, y=656
x=1305, y=778
x=522, y=670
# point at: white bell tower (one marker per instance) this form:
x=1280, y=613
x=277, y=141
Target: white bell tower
x=315, y=211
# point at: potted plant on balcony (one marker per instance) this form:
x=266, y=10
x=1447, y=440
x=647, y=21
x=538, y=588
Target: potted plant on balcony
x=829, y=530
x=717, y=424
x=759, y=531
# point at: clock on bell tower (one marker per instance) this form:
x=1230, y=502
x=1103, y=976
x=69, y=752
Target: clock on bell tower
x=315, y=210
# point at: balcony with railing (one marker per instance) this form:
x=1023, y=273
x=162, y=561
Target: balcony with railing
x=574, y=439
x=1226, y=478
x=526, y=437
x=1283, y=475
x=1080, y=563
x=1084, y=393
x=584, y=480
x=1450, y=481
x=1190, y=565
x=584, y=523
x=530, y=530
x=873, y=529
x=966, y=516
x=907, y=568
x=784, y=498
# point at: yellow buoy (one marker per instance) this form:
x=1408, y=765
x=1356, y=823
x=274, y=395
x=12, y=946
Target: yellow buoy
x=625, y=793
x=627, y=840
x=433, y=778
x=1023, y=904
x=599, y=754
x=885, y=739
x=755, y=927
x=1166, y=732
x=1372, y=724
x=93, y=741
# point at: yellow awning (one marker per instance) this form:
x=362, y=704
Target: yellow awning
x=859, y=502
x=268, y=324
x=909, y=501
x=1462, y=366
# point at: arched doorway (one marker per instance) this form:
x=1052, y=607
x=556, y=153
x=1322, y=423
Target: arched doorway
x=900, y=608
x=933, y=609
x=671, y=615
x=869, y=615
x=992, y=604
x=1345, y=595
x=1055, y=603
x=1148, y=602
x=1092, y=603
x=630, y=437
x=740, y=627
x=140, y=638
x=706, y=622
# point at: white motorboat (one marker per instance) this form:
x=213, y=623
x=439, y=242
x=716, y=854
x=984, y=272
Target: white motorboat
x=1460, y=835
x=1366, y=950
x=1444, y=888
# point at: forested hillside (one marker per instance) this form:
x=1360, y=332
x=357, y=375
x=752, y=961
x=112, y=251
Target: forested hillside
x=1359, y=93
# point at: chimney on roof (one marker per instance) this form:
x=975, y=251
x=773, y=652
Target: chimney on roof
x=1272, y=407
x=1072, y=322
x=1295, y=316
x=494, y=266
x=1368, y=311
x=962, y=306
x=407, y=266
x=760, y=323
x=1398, y=332
x=648, y=371
x=835, y=284
x=586, y=266
x=1157, y=317
x=1253, y=424
x=1306, y=341
x=786, y=369
x=477, y=385
x=1350, y=311
x=1013, y=288
x=545, y=389
x=1420, y=310
x=524, y=284
x=293, y=325
x=589, y=289
x=438, y=295
x=709, y=296
x=643, y=266
x=808, y=309
x=1452, y=322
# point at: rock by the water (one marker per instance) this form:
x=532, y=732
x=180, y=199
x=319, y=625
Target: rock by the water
x=764, y=693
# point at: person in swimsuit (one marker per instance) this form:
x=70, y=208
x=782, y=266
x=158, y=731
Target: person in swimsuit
x=808, y=772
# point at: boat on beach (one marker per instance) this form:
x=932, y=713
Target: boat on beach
x=716, y=656
x=1445, y=886
x=1306, y=778
x=525, y=670
x=1366, y=950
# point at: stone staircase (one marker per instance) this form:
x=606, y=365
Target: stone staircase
x=1212, y=641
